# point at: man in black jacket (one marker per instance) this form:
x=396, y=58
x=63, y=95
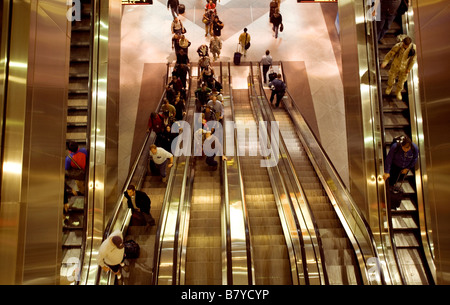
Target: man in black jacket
x=140, y=203
x=173, y=4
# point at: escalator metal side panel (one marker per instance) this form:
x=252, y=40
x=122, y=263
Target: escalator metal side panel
x=417, y=133
x=239, y=237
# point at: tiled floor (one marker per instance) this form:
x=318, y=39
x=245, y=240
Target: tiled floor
x=146, y=39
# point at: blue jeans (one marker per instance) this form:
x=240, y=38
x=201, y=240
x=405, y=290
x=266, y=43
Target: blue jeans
x=162, y=168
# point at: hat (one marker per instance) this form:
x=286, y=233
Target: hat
x=117, y=241
x=184, y=43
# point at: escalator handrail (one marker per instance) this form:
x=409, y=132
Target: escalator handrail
x=249, y=249
x=165, y=210
x=150, y=137
x=368, y=231
x=183, y=215
x=261, y=116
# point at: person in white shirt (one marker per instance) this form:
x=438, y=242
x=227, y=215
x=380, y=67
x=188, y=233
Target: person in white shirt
x=217, y=107
x=111, y=254
x=162, y=159
x=266, y=62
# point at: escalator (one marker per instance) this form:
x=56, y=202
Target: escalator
x=276, y=239
x=203, y=249
x=270, y=253
x=141, y=271
x=77, y=131
x=404, y=221
x=339, y=260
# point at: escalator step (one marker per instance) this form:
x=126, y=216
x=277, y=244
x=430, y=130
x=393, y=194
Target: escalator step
x=339, y=257
x=335, y=243
x=203, y=255
x=204, y=241
x=269, y=252
x=342, y=275
x=268, y=229
x=405, y=239
x=272, y=272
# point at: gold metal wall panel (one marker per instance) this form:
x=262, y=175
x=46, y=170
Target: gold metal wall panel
x=34, y=150
x=433, y=59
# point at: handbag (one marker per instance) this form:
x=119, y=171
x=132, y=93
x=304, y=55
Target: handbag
x=396, y=193
x=247, y=45
x=281, y=27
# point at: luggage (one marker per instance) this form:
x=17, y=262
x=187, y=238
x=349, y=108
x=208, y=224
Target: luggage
x=137, y=219
x=237, y=58
x=132, y=249
x=396, y=193
x=181, y=9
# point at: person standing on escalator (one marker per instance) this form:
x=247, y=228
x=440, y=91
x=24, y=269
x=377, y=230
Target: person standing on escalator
x=402, y=157
x=403, y=56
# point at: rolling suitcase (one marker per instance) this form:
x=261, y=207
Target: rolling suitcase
x=181, y=9
x=132, y=249
x=237, y=57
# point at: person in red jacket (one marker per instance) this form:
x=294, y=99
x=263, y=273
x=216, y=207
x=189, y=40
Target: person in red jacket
x=156, y=123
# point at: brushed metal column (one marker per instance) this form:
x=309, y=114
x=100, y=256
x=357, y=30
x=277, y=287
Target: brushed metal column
x=433, y=59
x=32, y=181
x=104, y=91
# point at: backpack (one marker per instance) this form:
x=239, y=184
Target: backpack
x=398, y=140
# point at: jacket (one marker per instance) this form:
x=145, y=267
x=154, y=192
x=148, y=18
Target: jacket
x=401, y=159
x=157, y=124
x=279, y=85
x=142, y=201
x=401, y=62
x=173, y=3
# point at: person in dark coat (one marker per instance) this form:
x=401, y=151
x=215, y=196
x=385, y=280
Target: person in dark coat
x=388, y=12
x=276, y=21
x=173, y=5
x=217, y=26
x=278, y=89
x=139, y=203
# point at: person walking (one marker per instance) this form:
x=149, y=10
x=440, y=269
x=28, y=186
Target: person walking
x=215, y=46
x=403, y=56
x=177, y=27
x=162, y=160
x=212, y=146
x=217, y=26
x=278, y=89
x=173, y=5
x=244, y=41
x=266, y=62
x=388, y=12
x=277, y=21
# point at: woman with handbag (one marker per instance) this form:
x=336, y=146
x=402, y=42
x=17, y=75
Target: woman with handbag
x=244, y=41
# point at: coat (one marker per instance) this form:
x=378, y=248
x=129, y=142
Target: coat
x=401, y=62
x=143, y=202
